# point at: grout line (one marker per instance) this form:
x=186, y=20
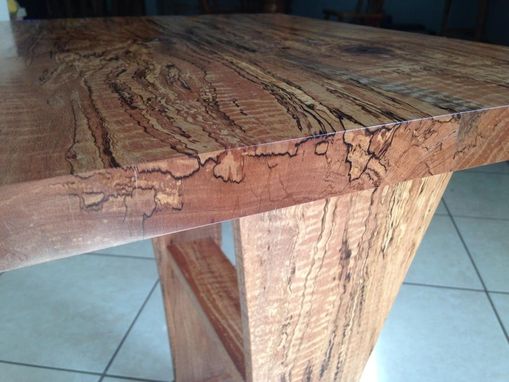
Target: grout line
x=477, y=217
x=120, y=256
x=104, y=373
x=498, y=292
x=449, y=213
x=453, y=287
x=128, y=331
x=443, y=287
x=478, y=273
x=50, y=368
x=62, y=369
x=485, y=172
x=133, y=379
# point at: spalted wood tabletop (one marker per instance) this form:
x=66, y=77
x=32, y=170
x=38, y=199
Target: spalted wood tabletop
x=112, y=130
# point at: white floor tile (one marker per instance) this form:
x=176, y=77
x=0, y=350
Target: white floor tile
x=18, y=373
x=145, y=353
x=142, y=248
x=71, y=313
x=227, y=241
x=497, y=168
x=478, y=194
x=488, y=242
x=436, y=334
x=442, y=259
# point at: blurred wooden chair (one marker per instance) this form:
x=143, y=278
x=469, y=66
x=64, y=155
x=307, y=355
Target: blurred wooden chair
x=475, y=32
x=244, y=6
x=82, y=8
x=366, y=13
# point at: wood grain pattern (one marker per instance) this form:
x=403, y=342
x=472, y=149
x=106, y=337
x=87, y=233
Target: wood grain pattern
x=202, y=305
x=317, y=280
x=115, y=130
x=213, y=280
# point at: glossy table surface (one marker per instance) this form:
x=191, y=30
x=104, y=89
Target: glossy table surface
x=112, y=130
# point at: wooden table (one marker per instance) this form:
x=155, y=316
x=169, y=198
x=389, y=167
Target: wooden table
x=330, y=145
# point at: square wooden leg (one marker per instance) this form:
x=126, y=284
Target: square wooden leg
x=314, y=285
x=201, y=298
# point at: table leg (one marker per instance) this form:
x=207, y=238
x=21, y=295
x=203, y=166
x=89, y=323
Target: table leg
x=201, y=299
x=315, y=284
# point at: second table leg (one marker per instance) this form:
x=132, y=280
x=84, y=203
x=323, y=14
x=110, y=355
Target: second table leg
x=313, y=287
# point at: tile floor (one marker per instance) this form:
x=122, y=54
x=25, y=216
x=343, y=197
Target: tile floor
x=99, y=317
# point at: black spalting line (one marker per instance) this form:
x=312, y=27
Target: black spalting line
x=105, y=137
x=215, y=108
x=127, y=96
x=320, y=263
x=358, y=48
x=305, y=108
x=70, y=154
x=211, y=108
x=372, y=155
x=282, y=96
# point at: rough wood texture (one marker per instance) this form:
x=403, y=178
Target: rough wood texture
x=317, y=280
x=202, y=305
x=118, y=129
x=213, y=281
